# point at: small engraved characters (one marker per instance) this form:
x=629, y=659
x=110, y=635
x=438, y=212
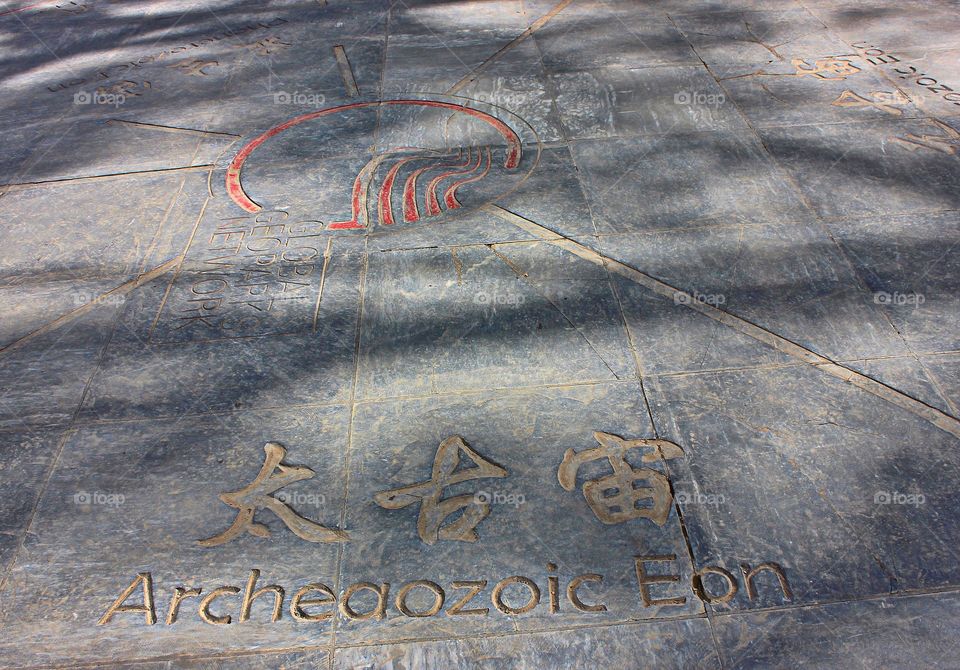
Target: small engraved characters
x=267, y=46
x=614, y=498
x=195, y=68
x=949, y=143
x=825, y=68
x=273, y=476
x=433, y=509
x=883, y=100
x=124, y=89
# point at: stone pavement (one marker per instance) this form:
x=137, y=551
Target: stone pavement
x=481, y=334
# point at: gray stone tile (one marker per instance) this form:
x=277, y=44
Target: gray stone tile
x=121, y=502
x=614, y=102
x=27, y=457
x=699, y=6
x=782, y=94
x=888, y=632
x=272, y=331
x=862, y=169
x=751, y=37
x=614, y=39
x=115, y=148
x=789, y=279
x=679, y=181
x=288, y=660
x=930, y=76
x=554, y=198
x=361, y=350
x=859, y=510
x=945, y=370
x=892, y=25
x=670, y=337
x=429, y=18
x=43, y=379
x=515, y=82
x=432, y=124
x=906, y=263
x=97, y=230
x=176, y=68
x=453, y=229
x=437, y=62
x=600, y=9
x=439, y=320
x=46, y=47
x=271, y=74
x=664, y=644
x=532, y=520
x=910, y=375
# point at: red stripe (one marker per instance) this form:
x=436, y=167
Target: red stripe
x=450, y=197
x=354, y=205
x=433, y=207
x=410, y=210
x=385, y=208
x=23, y=9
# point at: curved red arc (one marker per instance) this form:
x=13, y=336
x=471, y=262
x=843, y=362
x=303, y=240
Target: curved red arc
x=232, y=180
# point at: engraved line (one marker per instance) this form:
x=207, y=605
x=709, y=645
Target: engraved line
x=346, y=71
x=430, y=196
x=163, y=222
x=123, y=289
x=411, y=210
x=176, y=275
x=450, y=197
x=534, y=27
x=171, y=129
x=940, y=419
x=10, y=188
x=23, y=9
x=323, y=279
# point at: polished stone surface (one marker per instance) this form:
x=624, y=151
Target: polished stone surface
x=580, y=333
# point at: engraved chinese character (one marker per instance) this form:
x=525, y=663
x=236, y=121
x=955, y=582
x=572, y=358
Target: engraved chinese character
x=946, y=144
x=126, y=89
x=194, y=68
x=825, y=68
x=273, y=476
x=882, y=100
x=615, y=498
x=266, y=46
x=433, y=509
